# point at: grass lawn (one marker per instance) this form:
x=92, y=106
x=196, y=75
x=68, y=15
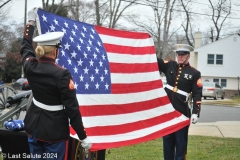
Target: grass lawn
x=235, y=101
x=199, y=148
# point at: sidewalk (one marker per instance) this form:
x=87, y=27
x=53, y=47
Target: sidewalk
x=230, y=129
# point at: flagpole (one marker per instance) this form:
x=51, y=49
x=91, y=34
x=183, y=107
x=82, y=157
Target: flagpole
x=25, y=19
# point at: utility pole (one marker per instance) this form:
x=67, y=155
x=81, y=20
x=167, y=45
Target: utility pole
x=25, y=13
x=25, y=21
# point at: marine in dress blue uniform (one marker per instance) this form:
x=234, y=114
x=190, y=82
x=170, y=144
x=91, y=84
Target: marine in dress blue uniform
x=182, y=81
x=54, y=103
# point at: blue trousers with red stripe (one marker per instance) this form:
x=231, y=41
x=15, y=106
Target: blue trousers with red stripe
x=41, y=150
x=175, y=145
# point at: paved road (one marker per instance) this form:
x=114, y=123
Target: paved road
x=211, y=113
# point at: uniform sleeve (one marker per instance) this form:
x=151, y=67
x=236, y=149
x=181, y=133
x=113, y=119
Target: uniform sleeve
x=162, y=65
x=197, y=94
x=26, y=47
x=69, y=100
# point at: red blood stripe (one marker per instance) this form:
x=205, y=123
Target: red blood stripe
x=113, y=109
x=129, y=50
x=121, y=33
x=66, y=151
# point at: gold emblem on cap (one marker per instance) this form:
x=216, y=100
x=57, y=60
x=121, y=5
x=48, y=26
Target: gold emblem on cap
x=179, y=46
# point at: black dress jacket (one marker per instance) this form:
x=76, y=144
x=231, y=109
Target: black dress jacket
x=51, y=85
x=184, y=78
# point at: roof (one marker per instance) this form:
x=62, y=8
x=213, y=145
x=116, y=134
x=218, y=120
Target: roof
x=213, y=43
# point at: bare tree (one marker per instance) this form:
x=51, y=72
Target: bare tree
x=102, y=12
x=117, y=8
x=92, y=12
x=50, y=6
x=3, y=40
x=97, y=12
x=74, y=8
x=180, y=38
x=187, y=27
x=4, y=29
x=82, y=11
x=167, y=23
x=4, y=3
x=159, y=26
x=4, y=10
x=220, y=11
x=206, y=39
x=155, y=27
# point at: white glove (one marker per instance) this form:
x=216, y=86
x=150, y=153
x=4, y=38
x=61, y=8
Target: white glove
x=194, y=118
x=86, y=143
x=32, y=14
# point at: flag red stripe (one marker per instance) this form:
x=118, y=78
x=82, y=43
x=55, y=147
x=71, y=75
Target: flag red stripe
x=133, y=68
x=125, y=128
x=121, y=46
x=160, y=133
x=135, y=87
x=72, y=131
x=121, y=33
x=129, y=50
x=113, y=109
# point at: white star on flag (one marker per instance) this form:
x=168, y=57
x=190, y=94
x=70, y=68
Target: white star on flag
x=117, y=81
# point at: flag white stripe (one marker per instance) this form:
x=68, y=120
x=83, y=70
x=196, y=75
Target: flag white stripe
x=88, y=100
x=131, y=59
x=126, y=41
x=120, y=119
x=138, y=133
x=129, y=78
x=105, y=99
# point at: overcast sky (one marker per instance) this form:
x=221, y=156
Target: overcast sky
x=18, y=7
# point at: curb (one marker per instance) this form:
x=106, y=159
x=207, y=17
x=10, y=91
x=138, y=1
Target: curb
x=224, y=129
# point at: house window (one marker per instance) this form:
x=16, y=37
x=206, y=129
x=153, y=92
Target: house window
x=215, y=59
x=216, y=81
x=224, y=82
x=219, y=59
x=221, y=82
x=210, y=59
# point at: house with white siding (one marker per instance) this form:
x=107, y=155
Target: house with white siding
x=219, y=62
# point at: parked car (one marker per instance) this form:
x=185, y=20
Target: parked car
x=212, y=90
x=21, y=84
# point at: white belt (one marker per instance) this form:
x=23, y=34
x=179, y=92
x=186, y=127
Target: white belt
x=48, y=107
x=175, y=89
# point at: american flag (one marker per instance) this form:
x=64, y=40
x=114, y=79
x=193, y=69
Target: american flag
x=118, y=85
